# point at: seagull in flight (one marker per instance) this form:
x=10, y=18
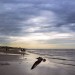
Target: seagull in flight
x=39, y=60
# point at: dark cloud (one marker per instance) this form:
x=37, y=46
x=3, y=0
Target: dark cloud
x=64, y=9
x=9, y=24
x=11, y=17
x=14, y=15
x=71, y=18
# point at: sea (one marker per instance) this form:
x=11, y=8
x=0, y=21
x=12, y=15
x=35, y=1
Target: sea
x=59, y=56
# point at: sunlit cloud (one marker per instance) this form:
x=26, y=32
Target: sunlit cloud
x=42, y=36
x=32, y=29
x=43, y=19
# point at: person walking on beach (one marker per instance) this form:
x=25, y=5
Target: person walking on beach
x=40, y=59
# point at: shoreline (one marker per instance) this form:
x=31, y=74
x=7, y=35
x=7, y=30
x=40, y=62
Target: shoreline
x=21, y=65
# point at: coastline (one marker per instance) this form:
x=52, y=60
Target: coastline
x=21, y=65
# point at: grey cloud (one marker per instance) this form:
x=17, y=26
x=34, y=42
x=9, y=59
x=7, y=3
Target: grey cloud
x=13, y=12
x=63, y=9
x=5, y=40
x=71, y=18
x=10, y=19
x=9, y=24
x=58, y=41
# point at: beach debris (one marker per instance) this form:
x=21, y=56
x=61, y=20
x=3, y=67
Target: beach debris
x=40, y=59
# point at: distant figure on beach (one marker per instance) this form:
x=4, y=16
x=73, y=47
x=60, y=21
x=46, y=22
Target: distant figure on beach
x=7, y=49
x=40, y=59
x=23, y=51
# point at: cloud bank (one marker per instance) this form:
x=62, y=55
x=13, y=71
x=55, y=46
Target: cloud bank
x=43, y=22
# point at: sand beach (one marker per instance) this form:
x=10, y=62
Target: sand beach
x=16, y=64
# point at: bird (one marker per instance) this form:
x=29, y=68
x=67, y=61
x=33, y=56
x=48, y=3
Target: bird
x=40, y=59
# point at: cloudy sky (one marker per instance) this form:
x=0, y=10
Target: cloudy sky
x=37, y=23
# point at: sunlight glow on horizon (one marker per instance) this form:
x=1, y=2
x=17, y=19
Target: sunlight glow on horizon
x=40, y=40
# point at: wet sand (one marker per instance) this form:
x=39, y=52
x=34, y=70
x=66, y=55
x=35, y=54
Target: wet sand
x=21, y=65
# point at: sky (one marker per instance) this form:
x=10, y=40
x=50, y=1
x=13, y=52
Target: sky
x=37, y=23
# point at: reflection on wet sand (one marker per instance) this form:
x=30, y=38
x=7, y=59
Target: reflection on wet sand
x=21, y=65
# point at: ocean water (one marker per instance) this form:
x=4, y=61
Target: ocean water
x=59, y=56
x=58, y=62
